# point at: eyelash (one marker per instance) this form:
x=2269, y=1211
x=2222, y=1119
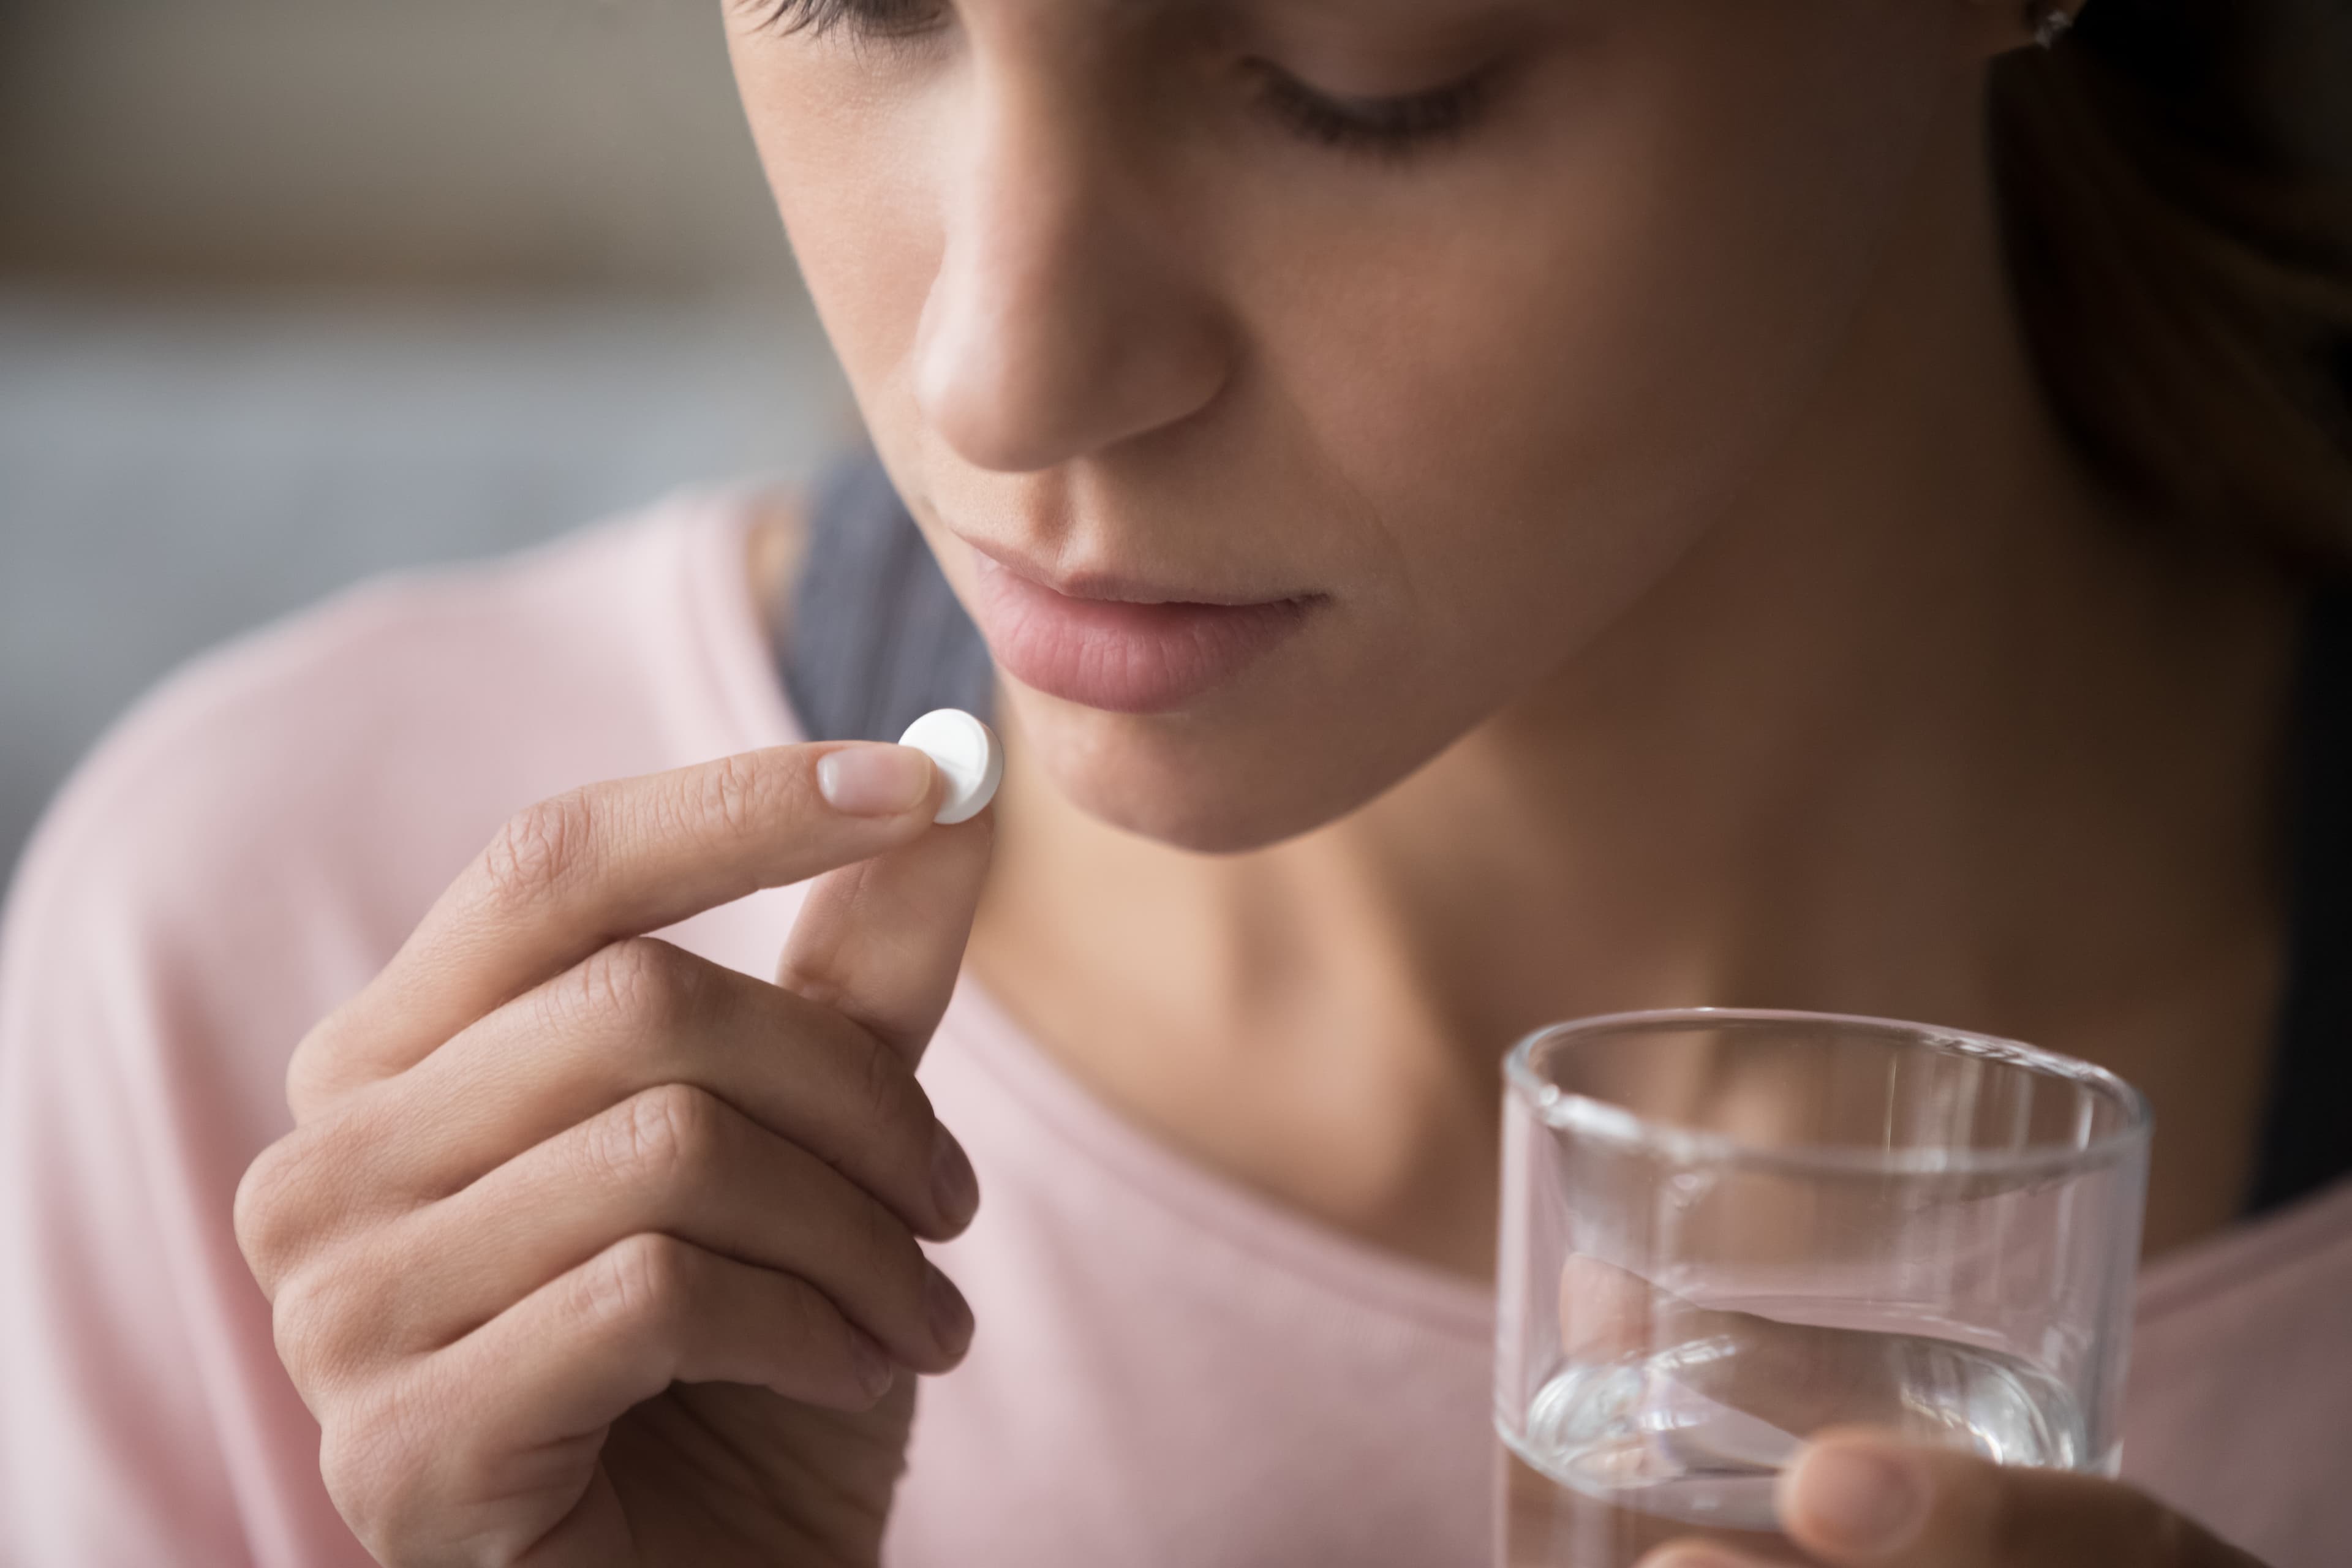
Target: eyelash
x=1386, y=127
x=887, y=19
x=1383, y=127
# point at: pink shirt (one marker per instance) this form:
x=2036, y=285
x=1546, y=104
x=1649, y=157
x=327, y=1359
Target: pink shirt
x=1169, y=1369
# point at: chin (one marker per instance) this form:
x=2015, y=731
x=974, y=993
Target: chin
x=1212, y=786
x=1194, y=820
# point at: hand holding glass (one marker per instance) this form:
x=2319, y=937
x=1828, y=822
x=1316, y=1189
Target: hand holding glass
x=1723, y=1232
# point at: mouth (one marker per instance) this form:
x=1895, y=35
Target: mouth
x=1122, y=645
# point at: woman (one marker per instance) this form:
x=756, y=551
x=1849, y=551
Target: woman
x=1483, y=511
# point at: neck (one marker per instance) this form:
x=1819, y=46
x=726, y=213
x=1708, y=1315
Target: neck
x=1928, y=727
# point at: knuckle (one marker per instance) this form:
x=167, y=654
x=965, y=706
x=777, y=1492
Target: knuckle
x=376, y=1467
x=305, y=1192
x=312, y=1322
x=310, y=1079
x=663, y=1137
x=644, y=985
x=635, y=1287
x=293, y=1199
x=805, y=1319
x=882, y=1236
x=350, y=1463
x=886, y=1092
x=540, y=849
x=737, y=794
x=317, y=1072
x=264, y=1212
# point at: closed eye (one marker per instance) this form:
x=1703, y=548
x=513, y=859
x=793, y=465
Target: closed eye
x=1384, y=126
x=1388, y=126
x=867, y=18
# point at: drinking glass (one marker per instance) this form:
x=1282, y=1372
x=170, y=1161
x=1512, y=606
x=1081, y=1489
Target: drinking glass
x=1724, y=1231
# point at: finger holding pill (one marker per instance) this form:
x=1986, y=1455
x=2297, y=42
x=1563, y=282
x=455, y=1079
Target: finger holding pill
x=969, y=756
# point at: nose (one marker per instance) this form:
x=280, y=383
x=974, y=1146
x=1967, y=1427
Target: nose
x=1064, y=319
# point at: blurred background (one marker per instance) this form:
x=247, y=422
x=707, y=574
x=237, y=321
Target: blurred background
x=293, y=292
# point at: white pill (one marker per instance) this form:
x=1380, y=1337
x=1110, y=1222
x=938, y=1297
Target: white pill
x=968, y=754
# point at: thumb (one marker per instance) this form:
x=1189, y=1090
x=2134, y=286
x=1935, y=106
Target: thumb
x=1860, y=1500
x=881, y=942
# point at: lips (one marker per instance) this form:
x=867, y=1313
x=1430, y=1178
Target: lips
x=1126, y=654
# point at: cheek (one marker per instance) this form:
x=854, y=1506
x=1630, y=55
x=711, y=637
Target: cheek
x=850, y=160
x=1550, y=377
x=1488, y=401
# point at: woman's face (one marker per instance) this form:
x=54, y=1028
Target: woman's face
x=1288, y=386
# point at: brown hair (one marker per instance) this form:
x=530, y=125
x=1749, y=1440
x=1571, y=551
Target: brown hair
x=2176, y=179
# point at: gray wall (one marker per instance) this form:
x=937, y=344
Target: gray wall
x=292, y=291
x=457, y=142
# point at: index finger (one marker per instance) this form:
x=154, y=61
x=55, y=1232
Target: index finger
x=577, y=872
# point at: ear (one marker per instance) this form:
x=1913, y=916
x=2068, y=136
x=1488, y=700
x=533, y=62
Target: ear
x=1991, y=28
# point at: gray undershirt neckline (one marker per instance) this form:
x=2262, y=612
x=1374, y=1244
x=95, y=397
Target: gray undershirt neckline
x=872, y=637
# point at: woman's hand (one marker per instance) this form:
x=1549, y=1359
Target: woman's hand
x=1858, y=1500
x=587, y=1251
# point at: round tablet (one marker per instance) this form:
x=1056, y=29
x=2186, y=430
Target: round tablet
x=968, y=754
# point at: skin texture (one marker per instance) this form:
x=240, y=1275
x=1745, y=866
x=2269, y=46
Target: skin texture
x=1853, y=1500
x=1701, y=603
x=1695, y=603
x=1149, y=334
x=585, y=1250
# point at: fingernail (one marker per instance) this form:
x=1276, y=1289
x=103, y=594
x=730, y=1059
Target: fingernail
x=954, y=1187
x=1853, y=1499
x=1695, y=1557
x=951, y=1319
x=872, y=1367
x=874, y=781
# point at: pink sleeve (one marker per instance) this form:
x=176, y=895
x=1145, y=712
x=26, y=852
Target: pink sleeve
x=233, y=862
x=143, y=1032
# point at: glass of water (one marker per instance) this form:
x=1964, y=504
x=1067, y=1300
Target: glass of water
x=1723, y=1232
